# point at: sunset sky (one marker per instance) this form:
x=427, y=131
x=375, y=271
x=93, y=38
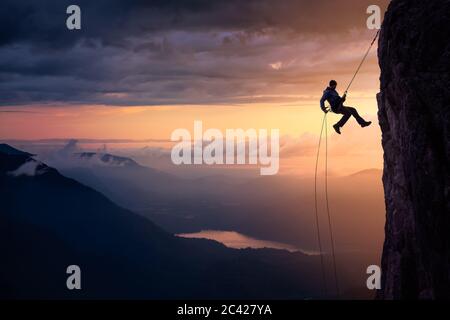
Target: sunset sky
x=139, y=70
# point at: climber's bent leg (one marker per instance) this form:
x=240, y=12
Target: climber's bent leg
x=348, y=112
x=356, y=115
x=346, y=115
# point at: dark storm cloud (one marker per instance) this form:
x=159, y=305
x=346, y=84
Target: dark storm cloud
x=112, y=21
x=168, y=52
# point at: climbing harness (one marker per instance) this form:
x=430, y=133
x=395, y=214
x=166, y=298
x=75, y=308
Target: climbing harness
x=330, y=227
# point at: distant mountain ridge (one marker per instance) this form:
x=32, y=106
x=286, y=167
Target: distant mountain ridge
x=8, y=150
x=367, y=172
x=106, y=158
x=48, y=222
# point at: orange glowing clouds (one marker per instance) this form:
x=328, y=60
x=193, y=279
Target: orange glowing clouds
x=289, y=101
x=356, y=149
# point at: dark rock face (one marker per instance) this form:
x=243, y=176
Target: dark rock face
x=414, y=115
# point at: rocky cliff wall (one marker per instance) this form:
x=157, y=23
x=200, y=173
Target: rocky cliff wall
x=414, y=115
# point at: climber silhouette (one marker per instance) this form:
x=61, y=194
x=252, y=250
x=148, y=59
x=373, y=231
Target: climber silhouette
x=336, y=102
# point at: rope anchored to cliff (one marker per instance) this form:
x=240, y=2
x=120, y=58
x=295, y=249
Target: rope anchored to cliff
x=362, y=62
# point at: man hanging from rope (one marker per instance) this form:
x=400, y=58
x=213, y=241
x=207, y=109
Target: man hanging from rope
x=337, y=106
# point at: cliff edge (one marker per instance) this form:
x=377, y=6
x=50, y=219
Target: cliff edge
x=414, y=115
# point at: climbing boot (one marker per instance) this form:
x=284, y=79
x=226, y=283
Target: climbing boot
x=337, y=128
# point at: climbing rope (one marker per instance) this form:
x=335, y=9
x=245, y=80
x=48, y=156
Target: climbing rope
x=324, y=283
x=328, y=209
x=362, y=61
x=330, y=227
